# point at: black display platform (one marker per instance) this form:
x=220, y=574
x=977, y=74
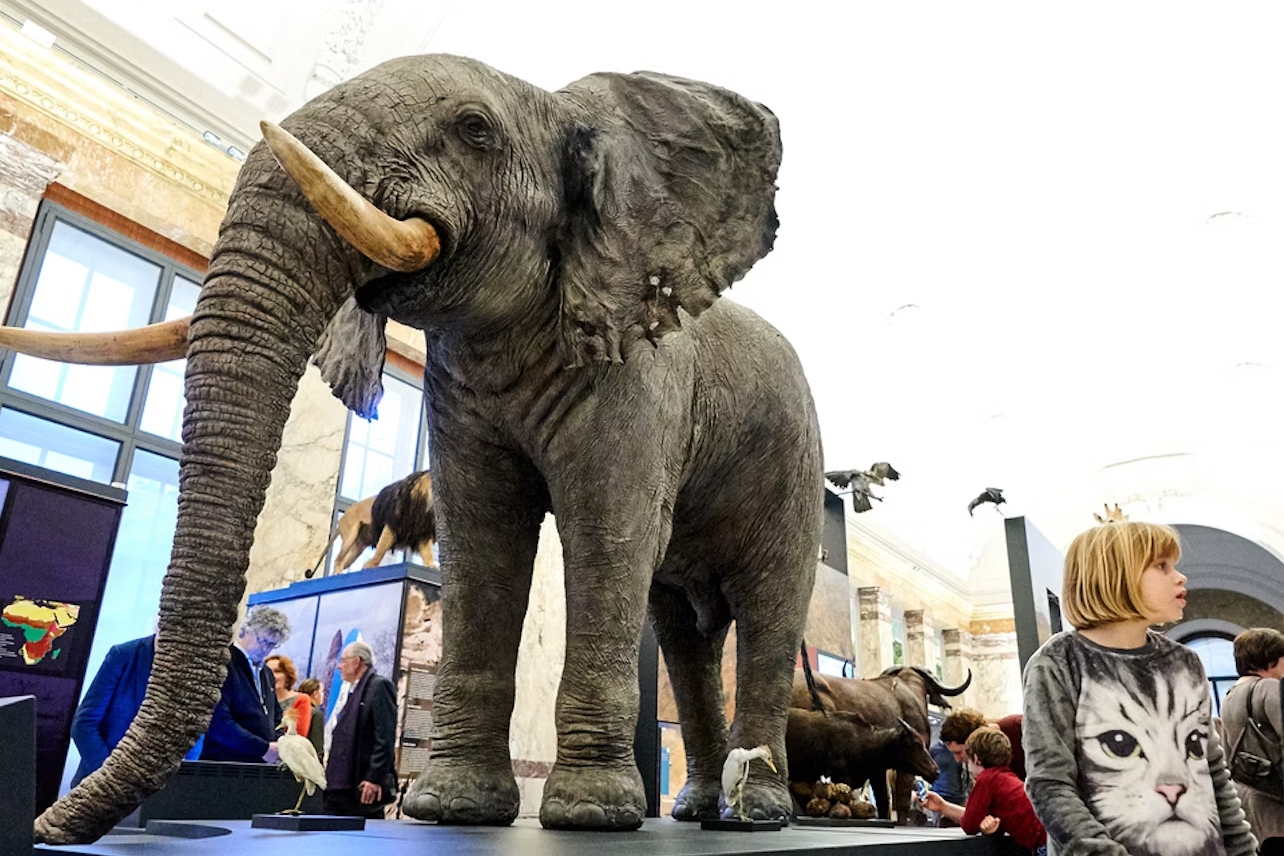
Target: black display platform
x=17, y=774
x=658, y=837
x=223, y=790
x=308, y=822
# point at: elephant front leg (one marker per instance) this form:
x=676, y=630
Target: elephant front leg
x=595, y=782
x=487, y=561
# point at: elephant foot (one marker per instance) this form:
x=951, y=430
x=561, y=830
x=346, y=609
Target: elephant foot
x=762, y=800
x=698, y=800
x=469, y=795
x=593, y=798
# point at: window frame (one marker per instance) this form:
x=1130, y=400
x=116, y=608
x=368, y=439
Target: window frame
x=127, y=433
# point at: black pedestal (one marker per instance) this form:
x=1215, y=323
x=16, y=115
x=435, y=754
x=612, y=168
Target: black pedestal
x=224, y=790
x=308, y=822
x=17, y=774
x=742, y=825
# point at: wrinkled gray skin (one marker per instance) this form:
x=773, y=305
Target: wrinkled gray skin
x=684, y=469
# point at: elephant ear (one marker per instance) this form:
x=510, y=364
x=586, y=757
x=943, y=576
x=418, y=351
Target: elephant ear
x=670, y=198
x=350, y=355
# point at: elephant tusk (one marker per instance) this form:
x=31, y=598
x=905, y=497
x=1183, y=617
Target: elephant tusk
x=400, y=245
x=155, y=343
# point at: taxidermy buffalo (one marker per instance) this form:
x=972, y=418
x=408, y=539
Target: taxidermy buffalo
x=846, y=748
x=563, y=254
x=899, y=695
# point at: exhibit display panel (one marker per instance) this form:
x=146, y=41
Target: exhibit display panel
x=57, y=533
x=396, y=610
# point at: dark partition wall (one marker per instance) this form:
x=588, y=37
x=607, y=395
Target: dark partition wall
x=56, y=539
x=1036, y=571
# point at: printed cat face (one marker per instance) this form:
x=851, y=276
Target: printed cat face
x=1143, y=742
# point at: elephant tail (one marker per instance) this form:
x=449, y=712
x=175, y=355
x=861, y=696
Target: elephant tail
x=816, y=703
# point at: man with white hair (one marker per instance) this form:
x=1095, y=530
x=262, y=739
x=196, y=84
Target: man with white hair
x=243, y=727
x=359, y=774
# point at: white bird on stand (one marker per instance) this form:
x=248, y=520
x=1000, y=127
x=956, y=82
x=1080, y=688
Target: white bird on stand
x=736, y=772
x=300, y=757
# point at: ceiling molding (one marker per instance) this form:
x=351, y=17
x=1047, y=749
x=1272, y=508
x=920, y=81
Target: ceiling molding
x=42, y=82
x=89, y=38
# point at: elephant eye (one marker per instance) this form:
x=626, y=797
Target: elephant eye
x=476, y=129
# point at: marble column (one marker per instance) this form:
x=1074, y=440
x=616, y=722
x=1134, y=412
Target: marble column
x=996, y=681
x=915, y=643
x=875, y=630
x=532, y=740
x=25, y=172
x=295, y=522
x=958, y=661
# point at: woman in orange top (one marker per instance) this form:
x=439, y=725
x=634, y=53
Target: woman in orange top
x=283, y=670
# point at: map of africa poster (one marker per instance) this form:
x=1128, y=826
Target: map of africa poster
x=30, y=630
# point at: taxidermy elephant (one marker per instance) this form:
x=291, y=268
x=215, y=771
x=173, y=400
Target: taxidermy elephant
x=563, y=253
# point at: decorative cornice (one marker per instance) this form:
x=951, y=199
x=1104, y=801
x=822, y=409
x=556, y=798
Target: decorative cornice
x=49, y=85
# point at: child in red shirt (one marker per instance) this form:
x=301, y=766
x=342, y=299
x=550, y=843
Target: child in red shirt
x=998, y=802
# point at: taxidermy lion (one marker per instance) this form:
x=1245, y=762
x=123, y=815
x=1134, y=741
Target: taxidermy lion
x=399, y=517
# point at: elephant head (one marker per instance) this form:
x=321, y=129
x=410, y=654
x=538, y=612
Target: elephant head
x=501, y=219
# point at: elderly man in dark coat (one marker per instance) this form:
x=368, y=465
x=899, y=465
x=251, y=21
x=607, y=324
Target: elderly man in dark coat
x=243, y=727
x=359, y=774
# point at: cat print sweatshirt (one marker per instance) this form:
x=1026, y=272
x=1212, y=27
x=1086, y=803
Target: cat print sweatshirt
x=1121, y=754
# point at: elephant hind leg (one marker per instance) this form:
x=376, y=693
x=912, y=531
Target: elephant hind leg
x=694, y=663
x=769, y=596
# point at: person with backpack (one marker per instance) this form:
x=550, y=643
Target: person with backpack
x=1251, y=720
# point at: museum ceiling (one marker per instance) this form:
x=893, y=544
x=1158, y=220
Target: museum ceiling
x=1027, y=248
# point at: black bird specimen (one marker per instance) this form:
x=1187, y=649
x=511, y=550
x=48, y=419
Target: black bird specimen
x=991, y=494
x=860, y=481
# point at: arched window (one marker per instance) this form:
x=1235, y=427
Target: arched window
x=1216, y=651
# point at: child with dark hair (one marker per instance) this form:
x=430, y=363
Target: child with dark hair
x=998, y=802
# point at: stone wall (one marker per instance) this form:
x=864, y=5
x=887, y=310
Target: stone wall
x=1230, y=606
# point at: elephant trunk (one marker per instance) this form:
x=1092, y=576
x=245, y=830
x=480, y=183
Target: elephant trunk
x=249, y=343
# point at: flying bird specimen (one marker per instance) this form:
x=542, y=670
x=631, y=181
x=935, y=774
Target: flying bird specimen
x=860, y=481
x=300, y=757
x=736, y=772
x=991, y=494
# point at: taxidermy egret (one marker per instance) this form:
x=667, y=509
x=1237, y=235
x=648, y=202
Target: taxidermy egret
x=300, y=757
x=736, y=772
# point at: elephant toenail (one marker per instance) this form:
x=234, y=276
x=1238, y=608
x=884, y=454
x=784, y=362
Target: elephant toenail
x=588, y=814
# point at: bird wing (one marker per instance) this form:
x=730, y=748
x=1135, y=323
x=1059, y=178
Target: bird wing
x=300, y=756
x=971, y=506
x=842, y=478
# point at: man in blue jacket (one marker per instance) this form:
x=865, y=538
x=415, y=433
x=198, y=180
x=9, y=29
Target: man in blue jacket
x=111, y=703
x=243, y=727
